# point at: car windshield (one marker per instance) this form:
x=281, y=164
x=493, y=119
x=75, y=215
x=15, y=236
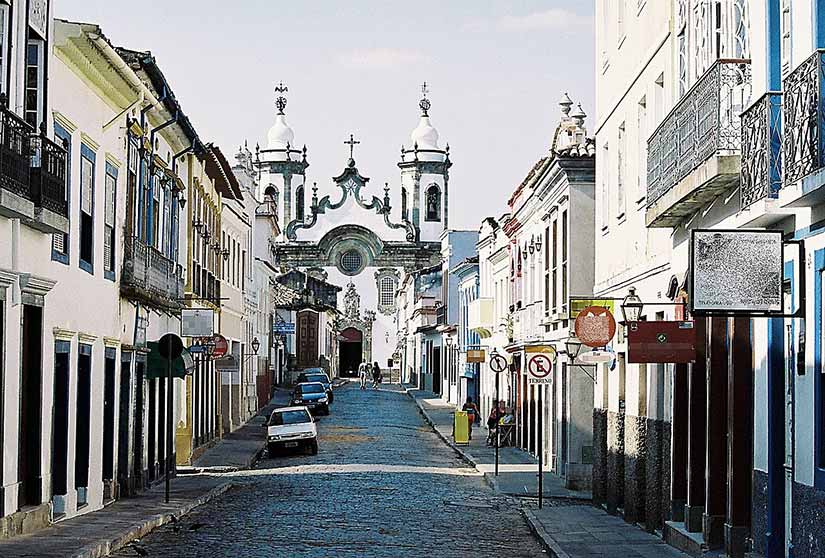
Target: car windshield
x=312, y=388
x=318, y=378
x=297, y=416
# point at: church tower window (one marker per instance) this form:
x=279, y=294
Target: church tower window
x=299, y=203
x=433, y=203
x=352, y=262
x=387, y=294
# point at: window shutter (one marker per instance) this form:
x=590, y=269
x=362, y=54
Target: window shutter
x=86, y=173
x=109, y=216
x=59, y=243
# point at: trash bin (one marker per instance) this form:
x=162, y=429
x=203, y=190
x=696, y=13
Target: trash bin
x=461, y=428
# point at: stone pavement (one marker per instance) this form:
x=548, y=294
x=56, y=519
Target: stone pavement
x=568, y=525
x=116, y=525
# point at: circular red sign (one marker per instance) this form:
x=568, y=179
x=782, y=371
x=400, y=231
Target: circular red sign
x=221, y=346
x=595, y=326
x=540, y=366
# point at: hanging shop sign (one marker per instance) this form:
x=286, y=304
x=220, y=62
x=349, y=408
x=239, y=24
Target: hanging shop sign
x=736, y=271
x=39, y=17
x=197, y=322
x=283, y=328
x=540, y=360
x=476, y=355
x=596, y=356
x=595, y=326
x=221, y=346
x=661, y=342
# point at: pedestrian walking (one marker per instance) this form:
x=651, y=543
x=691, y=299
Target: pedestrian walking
x=362, y=374
x=376, y=375
x=492, y=424
x=472, y=412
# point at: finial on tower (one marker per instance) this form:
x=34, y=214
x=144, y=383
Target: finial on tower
x=424, y=103
x=352, y=143
x=280, y=101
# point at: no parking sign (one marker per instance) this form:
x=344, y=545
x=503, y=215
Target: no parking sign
x=540, y=364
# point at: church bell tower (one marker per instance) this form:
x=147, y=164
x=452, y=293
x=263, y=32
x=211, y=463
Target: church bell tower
x=283, y=168
x=425, y=178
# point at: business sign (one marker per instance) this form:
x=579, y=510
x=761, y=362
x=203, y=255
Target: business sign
x=655, y=342
x=39, y=16
x=579, y=304
x=476, y=355
x=595, y=326
x=197, y=322
x=540, y=360
x=736, y=271
x=221, y=347
x=283, y=328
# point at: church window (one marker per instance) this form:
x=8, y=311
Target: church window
x=387, y=294
x=433, y=203
x=299, y=203
x=351, y=262
x=404, y=204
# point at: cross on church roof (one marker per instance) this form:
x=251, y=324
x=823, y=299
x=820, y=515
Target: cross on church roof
x=424, y=104
x=280, y=101
x=352, y=143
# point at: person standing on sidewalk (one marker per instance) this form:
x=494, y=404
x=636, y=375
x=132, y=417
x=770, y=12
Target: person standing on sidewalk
x=472, y=412
x=376, y=375
x=362, y=374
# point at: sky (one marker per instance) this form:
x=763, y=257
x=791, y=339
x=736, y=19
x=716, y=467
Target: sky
x=495, y=71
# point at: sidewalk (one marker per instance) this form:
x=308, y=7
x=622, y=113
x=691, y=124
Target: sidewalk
x=104, y=531
x=567, y=525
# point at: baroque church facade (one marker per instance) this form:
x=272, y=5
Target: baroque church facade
x=358, y=239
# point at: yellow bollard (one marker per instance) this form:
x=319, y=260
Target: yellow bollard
x=461, y=428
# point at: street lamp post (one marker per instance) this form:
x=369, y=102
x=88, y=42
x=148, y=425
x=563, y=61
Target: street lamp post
x=632, y=306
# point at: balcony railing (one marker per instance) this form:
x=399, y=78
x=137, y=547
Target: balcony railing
x=703, y=124
x=14, y=152
x=761, y=174
x=48, y=175
x=803, y=115
x=150, y=276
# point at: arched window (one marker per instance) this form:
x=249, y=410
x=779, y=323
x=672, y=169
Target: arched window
x=271, y=198
x=433, y=209
x=404, y=204
x=386, y=296
x=299, y=203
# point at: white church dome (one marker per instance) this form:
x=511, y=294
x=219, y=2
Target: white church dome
x=425, y=135
x=280, y=134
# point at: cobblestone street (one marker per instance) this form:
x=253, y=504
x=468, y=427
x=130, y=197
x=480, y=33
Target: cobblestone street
x=383, y=484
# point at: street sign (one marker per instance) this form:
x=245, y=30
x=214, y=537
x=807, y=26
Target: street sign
x=283, y=328
x=595, y=357
x=221, y=346
x=498, y=363
x=658, y=342
x=476, y=355
x=595, y=326
x=197, y=322
x=539, y=369
x=170, y=346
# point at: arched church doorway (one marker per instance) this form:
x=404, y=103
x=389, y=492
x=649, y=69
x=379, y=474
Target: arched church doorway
x=350, y=351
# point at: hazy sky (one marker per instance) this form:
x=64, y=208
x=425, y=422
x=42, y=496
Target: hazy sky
x=495, y=69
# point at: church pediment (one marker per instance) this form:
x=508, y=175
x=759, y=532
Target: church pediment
x=350, y=199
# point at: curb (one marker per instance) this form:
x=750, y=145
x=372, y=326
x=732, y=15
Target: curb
x=550, y=545
x=140, y=530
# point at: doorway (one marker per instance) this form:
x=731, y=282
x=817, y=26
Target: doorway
x=436, y=369
x=151, y=430
x=307, y=339
x=109, y=416
x=60, y=423
x=350, y=353
x=83, y=426
x=137, y=430
x=30, y=407
x=123, y=423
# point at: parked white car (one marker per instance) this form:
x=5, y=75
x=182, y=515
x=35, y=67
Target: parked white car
x=292, y=428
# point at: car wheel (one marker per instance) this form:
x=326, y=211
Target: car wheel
x=270, y=449
x=331, y=397
x=326, y=410
x=313, y=448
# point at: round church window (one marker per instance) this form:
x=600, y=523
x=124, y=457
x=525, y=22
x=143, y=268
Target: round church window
x=352, y=262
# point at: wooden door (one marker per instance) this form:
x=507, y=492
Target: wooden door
x=307, y=339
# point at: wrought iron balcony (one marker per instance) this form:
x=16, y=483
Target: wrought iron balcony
x=149, y=276
x=48, y=184
x=694, y=155
x=761, y=174
x=32, y=175
x=16, y=200
x=803, y=113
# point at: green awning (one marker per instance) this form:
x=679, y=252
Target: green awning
x=156, y=366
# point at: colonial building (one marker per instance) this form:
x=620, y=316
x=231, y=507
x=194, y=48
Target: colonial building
x=33, y=208
x=354, y=238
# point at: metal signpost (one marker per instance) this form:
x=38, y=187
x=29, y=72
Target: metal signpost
x=498, y=364
x=539, y=372
x=170, y=347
